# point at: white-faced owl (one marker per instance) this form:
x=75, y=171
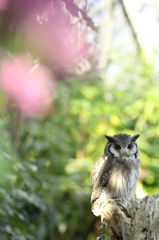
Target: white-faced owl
x=115, y=173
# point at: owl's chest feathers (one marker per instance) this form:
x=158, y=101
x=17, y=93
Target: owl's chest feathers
x=123, y=177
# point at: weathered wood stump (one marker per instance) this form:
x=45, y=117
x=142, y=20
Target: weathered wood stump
x=132, y=218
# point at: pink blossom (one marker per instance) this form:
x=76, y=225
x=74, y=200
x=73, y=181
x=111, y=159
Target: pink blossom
x=3, y=5
x=29, y=89
x=56, y=42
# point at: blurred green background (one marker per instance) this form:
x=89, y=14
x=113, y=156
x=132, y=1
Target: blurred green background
x=45, y=167
x=48, y=191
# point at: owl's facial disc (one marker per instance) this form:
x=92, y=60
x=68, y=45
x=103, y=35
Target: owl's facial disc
x=115, y=149
x=119, y=151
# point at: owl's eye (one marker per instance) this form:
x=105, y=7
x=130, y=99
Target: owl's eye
x=117, y=147
x=130, y=146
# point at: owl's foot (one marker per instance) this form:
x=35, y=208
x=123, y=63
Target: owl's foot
x=106, y=202
x=107, y=210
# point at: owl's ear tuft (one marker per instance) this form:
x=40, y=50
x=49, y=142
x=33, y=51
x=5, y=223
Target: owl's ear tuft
x=111, y=139
x=135, y=137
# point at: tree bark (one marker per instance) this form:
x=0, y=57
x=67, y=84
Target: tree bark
x=132, y=218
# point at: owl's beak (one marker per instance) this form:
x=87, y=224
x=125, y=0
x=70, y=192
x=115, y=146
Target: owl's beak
x=124, y=153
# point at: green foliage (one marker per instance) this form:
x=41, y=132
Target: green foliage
x=45, y=193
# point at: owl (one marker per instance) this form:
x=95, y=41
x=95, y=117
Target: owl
x=115, y=173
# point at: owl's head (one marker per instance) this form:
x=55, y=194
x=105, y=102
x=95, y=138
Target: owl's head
x=122, y=145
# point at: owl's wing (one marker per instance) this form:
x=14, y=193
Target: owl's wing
x=106, y=171
x=100, y=176
x=97, y=168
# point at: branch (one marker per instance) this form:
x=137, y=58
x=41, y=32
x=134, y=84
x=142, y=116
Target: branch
x=132, y=218
x=131, y=25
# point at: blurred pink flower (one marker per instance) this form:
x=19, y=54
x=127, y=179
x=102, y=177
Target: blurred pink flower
x=29, y=89
x=55, y=41
x=3, y=5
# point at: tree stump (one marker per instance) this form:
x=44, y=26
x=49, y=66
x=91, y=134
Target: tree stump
x=132, y=218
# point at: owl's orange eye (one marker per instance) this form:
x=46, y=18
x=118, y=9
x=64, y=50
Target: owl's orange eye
x=130, y=146
x=117, y=147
